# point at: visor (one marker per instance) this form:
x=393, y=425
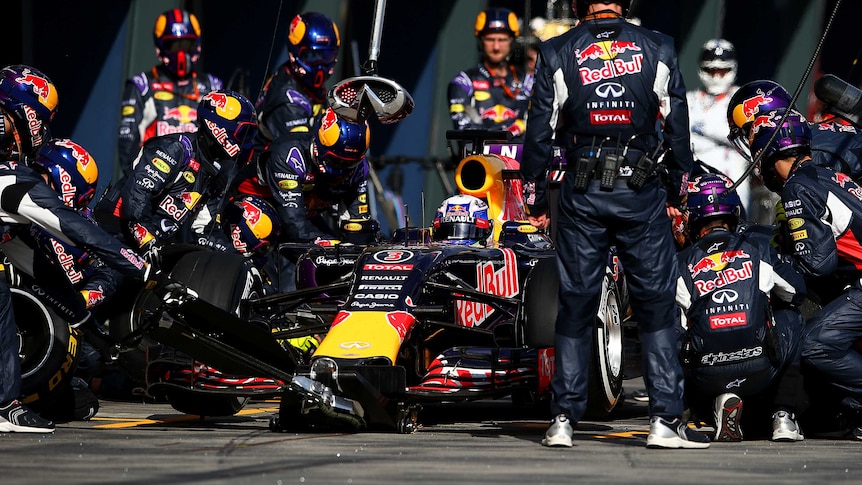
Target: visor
x=318, y=57
x=458, y=231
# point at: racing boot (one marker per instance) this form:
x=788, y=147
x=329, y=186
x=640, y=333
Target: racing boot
x=728, y=413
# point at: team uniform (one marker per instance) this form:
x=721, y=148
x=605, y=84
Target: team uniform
x=155, y=103
x=480, y=100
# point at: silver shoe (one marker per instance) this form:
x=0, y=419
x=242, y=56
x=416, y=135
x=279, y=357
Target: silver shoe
x=785, y=427
x=560, y=432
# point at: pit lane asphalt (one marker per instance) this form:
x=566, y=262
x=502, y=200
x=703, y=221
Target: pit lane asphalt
x=483, y=442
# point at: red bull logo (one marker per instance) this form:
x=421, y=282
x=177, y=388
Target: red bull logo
x=182, y=113
x=250, y=212
x=220, y=134
x=751, y=106
x=329, y=131
x=218, y=100
x=611, y=69
x=725, y=277
x=766, y=121
x=501, y=282
x=499, y=113
x=141, y=234
x=86, y=165
x=41, y=87
x=716, y=262
x=456, y=210
x=606, y=50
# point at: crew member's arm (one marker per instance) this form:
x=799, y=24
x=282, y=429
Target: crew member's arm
x=673, y=107
x=135, y=117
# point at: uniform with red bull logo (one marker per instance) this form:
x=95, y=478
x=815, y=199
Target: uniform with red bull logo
x=286, y=105
x=169, y=185
x=607, y=79
x=823, y=210
x=305, y=197
x=730, y=285
x=478, y=99
x=155, y=103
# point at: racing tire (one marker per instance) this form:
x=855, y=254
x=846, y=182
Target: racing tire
x=607, y=361
x=541, y=294
x=193, y=402
x=224, y=280
x=48, y=348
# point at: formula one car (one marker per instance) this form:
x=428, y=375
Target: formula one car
x=403, y=323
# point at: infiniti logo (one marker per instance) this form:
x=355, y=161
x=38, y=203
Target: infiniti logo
x=354, y=345
x=725, y=296
x=610, y=89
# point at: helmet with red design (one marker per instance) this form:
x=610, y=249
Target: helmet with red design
x=772, y=143
x=312, y=43
x=747, y=103
x=28, y=101
x=252, y=224
x=463, y=220
x=339, y=145
x=227, y=125
x=581, y=7
x=177, y=35
x=71, y=169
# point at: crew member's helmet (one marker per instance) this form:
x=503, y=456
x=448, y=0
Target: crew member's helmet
x=793, y=139
x=463, y=220
x=717, y=70
x=496, y=20
x=177, y=35
x=252, y=224
x=709, y=199
x=29, y=98
x=312, y=42
x=580, y=7
x=748, y=102
x=339, y=145
x=227, y=125
x=72, y=170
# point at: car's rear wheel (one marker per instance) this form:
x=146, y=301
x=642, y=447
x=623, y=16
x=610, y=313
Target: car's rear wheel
x=606, y=364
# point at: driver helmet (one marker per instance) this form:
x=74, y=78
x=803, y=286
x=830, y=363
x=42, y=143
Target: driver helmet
x=252, y=224
x=581, y=7
x=227, y=125
x=339, y=145
x=29, y=100
x=750, y=100
x=494, y=20
x=72, y=171
x=463, y=220
x=177, y=35
x=793, y=139
x=312, y=44
x=709, y=199
x=717, y=69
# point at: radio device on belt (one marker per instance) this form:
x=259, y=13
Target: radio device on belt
x=611, y=163
x=585, y=165
x=643, y=169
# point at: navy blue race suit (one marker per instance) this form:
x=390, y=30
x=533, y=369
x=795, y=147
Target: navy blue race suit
x=309, y=201
x=607, y=78
x=824, y=215
x=478, y=99
x=740, y=299
x=26, y=199
x=305, y=197
x=170, y=183
x=156, y=103
x=286, y=105
x=837, y=144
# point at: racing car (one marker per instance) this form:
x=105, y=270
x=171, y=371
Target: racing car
x=402, y=323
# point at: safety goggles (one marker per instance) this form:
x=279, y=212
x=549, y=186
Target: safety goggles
x=318, y=57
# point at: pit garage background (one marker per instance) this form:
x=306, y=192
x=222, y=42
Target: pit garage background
x=90, y=47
